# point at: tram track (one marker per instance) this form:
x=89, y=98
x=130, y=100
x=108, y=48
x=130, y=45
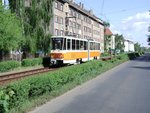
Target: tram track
x=4, y=79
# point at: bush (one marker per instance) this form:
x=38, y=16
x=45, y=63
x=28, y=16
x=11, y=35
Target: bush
x=105, y=54
x=31, y=62
x=9, y=65
x=133, y=55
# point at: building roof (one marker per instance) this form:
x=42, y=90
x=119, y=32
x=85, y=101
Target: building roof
x=108, y=32
x=80, y=7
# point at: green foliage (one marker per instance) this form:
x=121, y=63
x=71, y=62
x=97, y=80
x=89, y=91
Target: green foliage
x=11, y=36
x=119, y=42
x=137, y=47
x=107, y=40
x=9, y=65
x=4, y=102
x=5, y=96
x=35, y=22
x=33, y=87
x=133, y=55
x=31, y=62
x=106, y=24
x=105, y=54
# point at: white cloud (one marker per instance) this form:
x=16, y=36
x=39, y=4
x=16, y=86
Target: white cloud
x=135, y=27
x=137, y=17
x=114, y=29
x=136, y=22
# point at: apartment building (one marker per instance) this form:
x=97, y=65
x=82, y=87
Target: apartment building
x=129, y=46
x=111, y=43
x=72, y=19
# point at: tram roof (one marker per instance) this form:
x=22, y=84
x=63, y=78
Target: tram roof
x=70, y=37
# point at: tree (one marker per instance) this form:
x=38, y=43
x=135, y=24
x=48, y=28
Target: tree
x=148, y=39
x=119, y=42
x=11, y=36
x=137, y=47
x=35, y=22
x=106, y=24
x=107, y=38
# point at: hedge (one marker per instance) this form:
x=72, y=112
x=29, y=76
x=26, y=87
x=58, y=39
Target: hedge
x=9, y=65
x=31, y=62
x=133, y=55
x=14, y=95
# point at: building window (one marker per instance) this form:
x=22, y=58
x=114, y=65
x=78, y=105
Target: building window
x=56, y=32
x=56, y=18
x=74, y=24
x=61, y=20
x=78, y=26
x=74, y=14
x=79, y=16
x=61, y=7
x=56, y=5
x=71, y=12
x=61, y=32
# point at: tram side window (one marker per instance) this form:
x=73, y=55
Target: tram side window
x=81, y=45
x=91, y=46
x=77, y=44
x=73, y=45
x=68, y=44
x=96, y=46
x=85, y=45
x=99, y=46
x=64, y=44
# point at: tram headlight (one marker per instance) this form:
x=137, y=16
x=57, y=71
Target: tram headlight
x=52, y=55
x=60, y=56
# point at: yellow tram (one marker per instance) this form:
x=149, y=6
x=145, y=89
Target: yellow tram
x=70, y=50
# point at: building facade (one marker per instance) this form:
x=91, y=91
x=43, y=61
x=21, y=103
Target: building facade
x=111, y=43
x=129, y=46
x=72, y=19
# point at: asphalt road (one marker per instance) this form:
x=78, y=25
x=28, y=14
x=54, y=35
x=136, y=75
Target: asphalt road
x=123, y=89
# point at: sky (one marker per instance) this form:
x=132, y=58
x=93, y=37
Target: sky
x=131, y=18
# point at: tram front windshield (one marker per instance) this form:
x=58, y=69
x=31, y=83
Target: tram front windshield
x=57, y=43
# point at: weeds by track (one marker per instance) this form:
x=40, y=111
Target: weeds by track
x=4, y=79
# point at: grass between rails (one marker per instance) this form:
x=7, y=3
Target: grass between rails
x=22, y=96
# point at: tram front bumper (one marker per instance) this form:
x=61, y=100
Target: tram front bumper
x=56, y=61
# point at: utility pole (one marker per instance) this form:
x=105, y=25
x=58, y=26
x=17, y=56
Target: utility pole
x=148, y=40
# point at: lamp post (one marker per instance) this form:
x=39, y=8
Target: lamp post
x=88, y=49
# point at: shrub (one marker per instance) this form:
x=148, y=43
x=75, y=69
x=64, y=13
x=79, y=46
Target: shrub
x=9, y=65
x=31, y=62
x=133, y=55
x=105, y=54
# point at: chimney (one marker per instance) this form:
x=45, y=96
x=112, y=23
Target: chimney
x=91, y=11
x=82, y=5
x=71, y=1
